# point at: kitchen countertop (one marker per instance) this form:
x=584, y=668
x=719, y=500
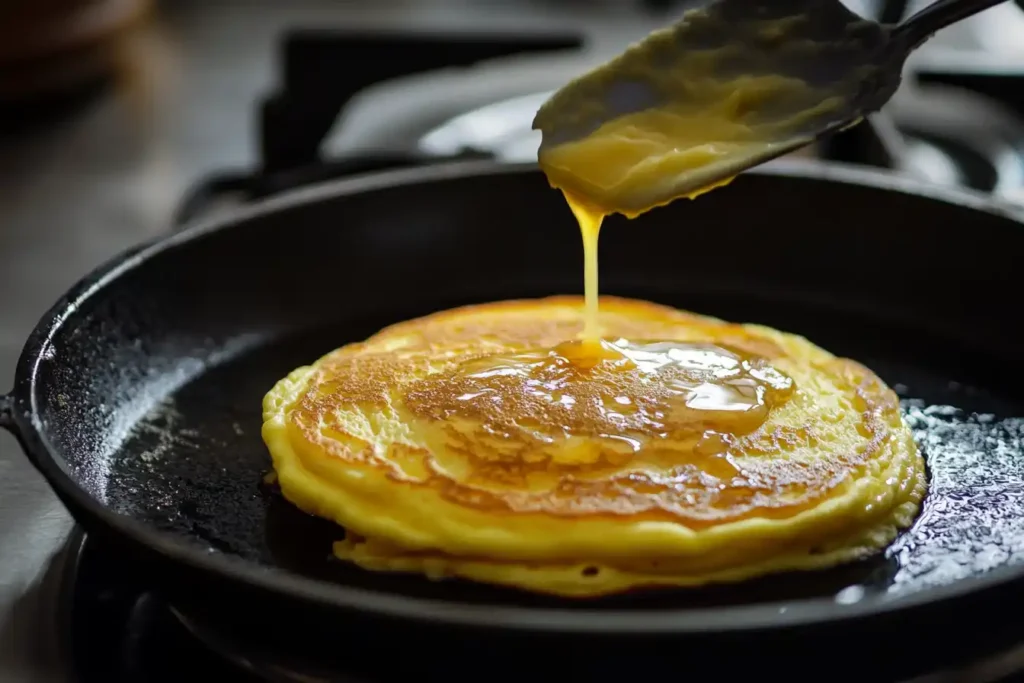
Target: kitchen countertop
x=74, y=194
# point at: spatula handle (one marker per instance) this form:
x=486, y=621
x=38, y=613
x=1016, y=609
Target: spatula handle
x=938, y=15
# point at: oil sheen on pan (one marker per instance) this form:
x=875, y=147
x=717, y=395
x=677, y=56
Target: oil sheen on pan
x=194, y=466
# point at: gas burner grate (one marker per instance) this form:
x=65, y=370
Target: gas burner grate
x=111, y=628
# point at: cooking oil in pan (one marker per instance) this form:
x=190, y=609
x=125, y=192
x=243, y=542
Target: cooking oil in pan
x=973, y=518
x=207, y=487
x=972, y=521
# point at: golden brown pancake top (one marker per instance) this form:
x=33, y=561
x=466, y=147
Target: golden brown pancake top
x=505, y=451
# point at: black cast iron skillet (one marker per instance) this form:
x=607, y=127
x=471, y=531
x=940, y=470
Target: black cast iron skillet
x=138, y=398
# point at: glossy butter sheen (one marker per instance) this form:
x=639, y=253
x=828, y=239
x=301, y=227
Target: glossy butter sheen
x=638, y=161
x=696, y=129
x=480, y=443
x=620, y=396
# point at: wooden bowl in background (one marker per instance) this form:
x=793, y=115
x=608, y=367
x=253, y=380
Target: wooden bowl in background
x=49, y=47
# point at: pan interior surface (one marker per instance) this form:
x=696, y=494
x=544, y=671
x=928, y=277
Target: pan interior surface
x=159, y=380
x=195, y=466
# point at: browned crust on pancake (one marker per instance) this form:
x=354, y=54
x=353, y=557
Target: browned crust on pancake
x=697, y=492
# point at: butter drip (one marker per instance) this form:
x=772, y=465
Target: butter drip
x=634, y=163
x=590, y=220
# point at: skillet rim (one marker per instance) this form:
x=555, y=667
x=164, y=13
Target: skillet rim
x=19, y=414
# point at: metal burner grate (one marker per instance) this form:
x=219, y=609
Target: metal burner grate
x=110, y=628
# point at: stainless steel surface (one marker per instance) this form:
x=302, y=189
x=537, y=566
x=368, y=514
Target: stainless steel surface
x=502, y=125
x=78, y=192
x=997, y=30
x=490, y=107
x=937, y=15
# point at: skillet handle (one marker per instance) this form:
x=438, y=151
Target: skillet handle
x=7, y=413
x=15, y=421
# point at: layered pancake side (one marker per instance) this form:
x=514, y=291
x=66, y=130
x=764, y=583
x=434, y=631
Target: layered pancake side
x=478, y=442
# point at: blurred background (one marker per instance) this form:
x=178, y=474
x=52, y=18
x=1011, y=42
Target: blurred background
x=119, y=119
x=110, y=110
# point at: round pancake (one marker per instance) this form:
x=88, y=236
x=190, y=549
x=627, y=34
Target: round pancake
x=435, y=469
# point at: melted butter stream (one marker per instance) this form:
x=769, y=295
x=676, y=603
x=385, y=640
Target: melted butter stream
x=603, y=404
x=590, y=401
x=706, y=110
x=631, y=164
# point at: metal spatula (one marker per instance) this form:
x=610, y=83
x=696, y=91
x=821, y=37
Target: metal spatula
x=853, y=63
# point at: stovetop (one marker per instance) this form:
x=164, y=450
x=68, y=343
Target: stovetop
x=99, y=624
x=109, y=628
x=952, y=123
